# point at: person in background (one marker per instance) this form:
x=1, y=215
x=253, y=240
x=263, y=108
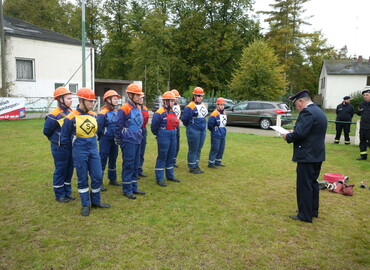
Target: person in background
x=177, y=110
x=79, y=133
x=145, y=113
x=164, y=127
x=308, y=138
x=217, y=125
x=344, y=113
x=62, y=156
x=129, y=136
x=194, y=119
x=108, y=150
x=364, y=112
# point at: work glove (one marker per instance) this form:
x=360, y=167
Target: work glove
x=117, y=141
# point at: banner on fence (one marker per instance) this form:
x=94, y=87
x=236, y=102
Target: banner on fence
x=12, y=108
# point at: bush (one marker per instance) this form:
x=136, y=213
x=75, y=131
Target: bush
x=356, y=99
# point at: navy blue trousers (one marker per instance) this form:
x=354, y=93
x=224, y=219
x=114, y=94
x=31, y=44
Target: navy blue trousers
x=308, y=190
x=166, y=141
x=195, y=144
x=217, y=150
x=63, y=171
x=130, y=167
x=142, y=149
x=108, y=153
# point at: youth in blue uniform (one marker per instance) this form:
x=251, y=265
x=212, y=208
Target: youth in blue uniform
x=145, y=113
x=364, y=112
x=108, y=150
x=62, y=156
x=129, y=135
x=164, y=127
x=79, y=133
x=177, y=110
x=217, y=125
x=194, y=120
x=344, y=113
x=308, y=138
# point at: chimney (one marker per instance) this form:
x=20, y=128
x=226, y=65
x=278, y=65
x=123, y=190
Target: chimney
x=359, y=59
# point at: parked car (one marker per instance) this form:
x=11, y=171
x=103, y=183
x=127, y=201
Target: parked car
x=157, y=103
x=211, y=103
x=258, y=113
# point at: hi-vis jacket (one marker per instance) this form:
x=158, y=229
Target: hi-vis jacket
x=164, y=119
x=54, y=122
x=79, y=129
x=129, y=123
x=217, y=124
x=195, y=116
x=107, y=120
x=145, y=113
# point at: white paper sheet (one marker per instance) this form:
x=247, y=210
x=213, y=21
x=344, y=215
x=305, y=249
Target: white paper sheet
x=281, y=130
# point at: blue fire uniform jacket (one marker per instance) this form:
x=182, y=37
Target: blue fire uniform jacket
x=195, y=116
x=53, y=123
x=217, y=124
x=129, y=123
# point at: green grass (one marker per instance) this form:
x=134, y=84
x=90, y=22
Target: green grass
x=230, y=218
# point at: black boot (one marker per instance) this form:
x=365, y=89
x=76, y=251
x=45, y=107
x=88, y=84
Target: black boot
x=103, y=188
x=100, y=205
x=114, y=183
x=85, y=211
x=362, y=157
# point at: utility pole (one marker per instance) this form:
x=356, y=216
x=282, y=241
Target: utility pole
x=2, y=44
x=83, y=46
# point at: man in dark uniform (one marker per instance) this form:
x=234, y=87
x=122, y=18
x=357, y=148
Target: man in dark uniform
x=308, y=138
x=364, y=112
x=344, y=113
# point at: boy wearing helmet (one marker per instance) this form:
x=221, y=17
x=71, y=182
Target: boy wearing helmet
x=129, y=135
x=217, y=125
x=79, y=133
x=145, y=113
x=62, y=156
x=164, y=127
x=195, y=121
x=177, y=110
x=108, y=150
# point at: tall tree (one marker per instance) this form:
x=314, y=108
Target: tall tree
x=286, y=37
x=260, y=75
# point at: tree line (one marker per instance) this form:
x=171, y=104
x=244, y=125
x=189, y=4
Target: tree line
x=215, y=44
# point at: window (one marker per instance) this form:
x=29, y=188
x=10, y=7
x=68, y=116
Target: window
x=73, y=87
x=254, y=106
x=25, y=69
x=240, y=107
x=323, y=83
x=267, y=106
x=368, y=81
x=56, y=85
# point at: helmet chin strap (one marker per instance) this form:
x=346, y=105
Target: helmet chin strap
x=84, y=106
x=131, y=97
x=61, y=101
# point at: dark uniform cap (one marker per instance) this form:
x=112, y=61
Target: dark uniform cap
x=347, y=97
x=301, y=94
x=366, y=91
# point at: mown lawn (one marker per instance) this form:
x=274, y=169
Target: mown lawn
x=230, y=218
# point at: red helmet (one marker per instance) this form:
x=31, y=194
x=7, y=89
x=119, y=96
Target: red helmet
x=86, y=93
x=168, y=95
x=61, y=91
x=177, y=94
x=198, y=91
x=110, y=93
x=134, y=88
x=220, y=101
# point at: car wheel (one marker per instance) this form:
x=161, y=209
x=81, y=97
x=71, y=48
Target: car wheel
x=265, y=123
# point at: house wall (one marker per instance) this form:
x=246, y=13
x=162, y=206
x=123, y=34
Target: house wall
x=54, y=63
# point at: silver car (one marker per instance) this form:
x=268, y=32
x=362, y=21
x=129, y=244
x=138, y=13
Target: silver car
x=258, y=113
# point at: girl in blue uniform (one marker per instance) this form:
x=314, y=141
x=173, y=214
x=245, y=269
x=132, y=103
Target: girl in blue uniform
x=129, y=135
x=108, y=150
x=62, y=156
x=164, y=127
x=79, y=133
x=194, y=120
x=217, y=125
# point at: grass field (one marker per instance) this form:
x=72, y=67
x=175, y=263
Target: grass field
x=230, y=218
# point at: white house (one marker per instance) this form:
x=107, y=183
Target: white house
x=341, y=78
x=39, y=60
